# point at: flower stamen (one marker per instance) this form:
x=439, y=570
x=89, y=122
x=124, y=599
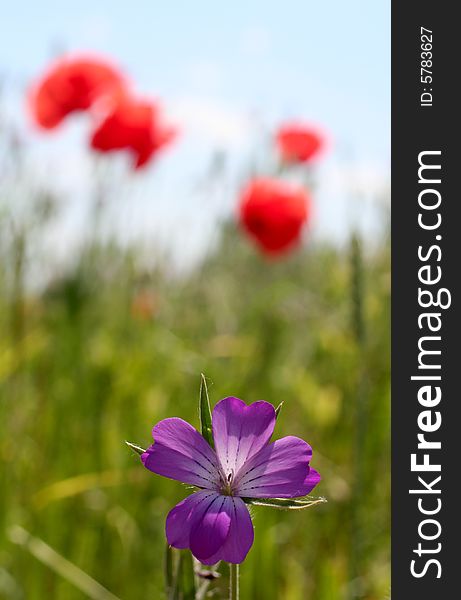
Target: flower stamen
x=227, y=484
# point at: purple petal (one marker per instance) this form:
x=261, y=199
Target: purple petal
x=210, y=530
x=240, y=431
x=180, y=452
x=312, y=479
x=240, y=537
x=281, y=470
x=182, y=517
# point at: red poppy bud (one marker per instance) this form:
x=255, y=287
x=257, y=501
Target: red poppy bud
x=273, y=213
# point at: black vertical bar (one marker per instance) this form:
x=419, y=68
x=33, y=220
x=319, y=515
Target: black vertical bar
x=425, y=123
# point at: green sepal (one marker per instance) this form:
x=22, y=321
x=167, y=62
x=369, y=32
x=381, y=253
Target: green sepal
x=278, y=409
x=286, y=503
x=205, y=412
x=135, y=448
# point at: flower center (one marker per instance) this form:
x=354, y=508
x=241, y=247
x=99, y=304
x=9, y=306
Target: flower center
x=226, y=484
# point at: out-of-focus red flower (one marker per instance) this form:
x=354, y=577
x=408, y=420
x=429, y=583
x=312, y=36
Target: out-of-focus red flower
x=135, y=125
x=298, y=143
x=145, y=305
x=70, y=85
x=273, y=213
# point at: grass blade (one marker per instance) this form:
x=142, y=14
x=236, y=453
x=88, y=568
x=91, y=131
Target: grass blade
x=185, y=588
x=170, y=582
x=57, y=563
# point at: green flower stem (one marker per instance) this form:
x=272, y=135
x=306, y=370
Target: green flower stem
x=233, y=582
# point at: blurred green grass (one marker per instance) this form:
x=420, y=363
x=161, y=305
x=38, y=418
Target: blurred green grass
x=108, y=349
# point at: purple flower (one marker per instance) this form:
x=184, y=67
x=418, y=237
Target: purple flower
x=214, y=522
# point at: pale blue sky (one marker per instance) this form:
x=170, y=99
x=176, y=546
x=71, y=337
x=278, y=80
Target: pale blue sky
x=227, y=72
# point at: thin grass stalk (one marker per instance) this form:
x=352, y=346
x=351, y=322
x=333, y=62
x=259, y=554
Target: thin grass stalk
x=359, y=333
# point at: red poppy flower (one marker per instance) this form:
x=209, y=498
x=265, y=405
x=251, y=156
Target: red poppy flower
x=298, y=143
x=70, y=85
x=273, y=213
x=135, y=125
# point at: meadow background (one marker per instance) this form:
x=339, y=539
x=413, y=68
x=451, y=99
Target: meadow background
x=117, y=290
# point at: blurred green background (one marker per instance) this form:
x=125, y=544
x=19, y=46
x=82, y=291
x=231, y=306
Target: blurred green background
x=108, y=347
x=105, y=327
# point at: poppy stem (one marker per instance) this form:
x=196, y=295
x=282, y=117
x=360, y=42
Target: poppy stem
x=233, y=582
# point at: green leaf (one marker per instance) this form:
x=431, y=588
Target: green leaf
x=135, y=448
x=205, y=412
x=286, y=503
